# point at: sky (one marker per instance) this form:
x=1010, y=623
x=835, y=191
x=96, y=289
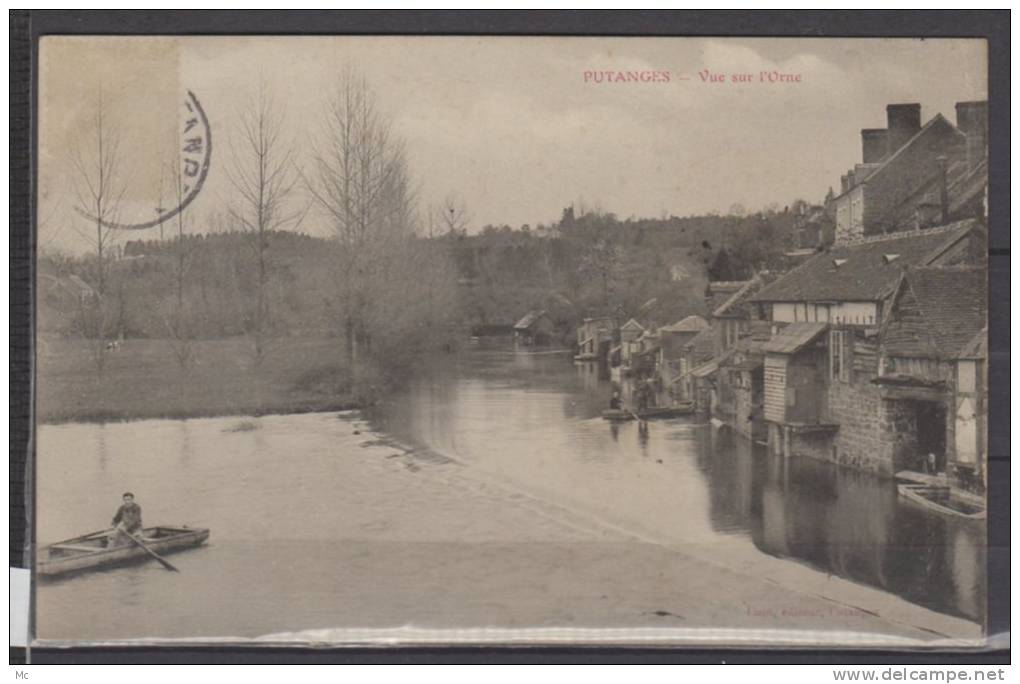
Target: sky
x=517, y=128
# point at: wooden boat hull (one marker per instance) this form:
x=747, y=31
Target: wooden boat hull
x=937, y=498
x=648, y=414
x=87, y=552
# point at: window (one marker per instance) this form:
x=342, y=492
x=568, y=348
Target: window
x=840, y=355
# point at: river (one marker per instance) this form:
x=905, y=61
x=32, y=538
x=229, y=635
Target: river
x=488, y=451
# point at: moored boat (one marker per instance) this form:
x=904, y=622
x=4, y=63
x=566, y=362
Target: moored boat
x=89, y=552
x=649, y=413
x=943, y=499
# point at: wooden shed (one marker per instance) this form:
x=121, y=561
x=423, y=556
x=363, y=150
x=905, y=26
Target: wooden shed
x=535, y=328
x=795, y=363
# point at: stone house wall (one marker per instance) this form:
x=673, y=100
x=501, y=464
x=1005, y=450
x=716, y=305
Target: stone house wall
x=863, y=439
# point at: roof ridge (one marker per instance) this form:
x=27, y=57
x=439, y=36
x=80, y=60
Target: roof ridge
x=910, y=141
x=799, y=267
x=959, y=228
x=933, y=330
x=885, y=162
x=903, y=234
x=736, y=295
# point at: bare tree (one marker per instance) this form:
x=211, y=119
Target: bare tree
x=178, y=319
x=453, y=215
x=98, y=193
x=360, y=175
x=263, y=176
x=360, y=181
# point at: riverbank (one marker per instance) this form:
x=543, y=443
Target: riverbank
x=405, y=546
x=142, y=379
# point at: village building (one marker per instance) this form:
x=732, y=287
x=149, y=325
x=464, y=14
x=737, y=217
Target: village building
x=534, y=329
x=795, y=408
x=732, y=316
x=930, y=370
x=645, y=355
x=595, y=338
x=697, y=382
x=971, y=421
x=679, y=273
x=814, y=227
x=739, y=385
x=907, y=166
x=672, y=361
x=822, y=394
x=741, y=382
x=849, y=284
x=86, y=293
x=630, y=334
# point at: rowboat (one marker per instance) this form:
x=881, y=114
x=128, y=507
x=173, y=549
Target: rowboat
x=649, y=413
x=89, y=552
x=942, y=499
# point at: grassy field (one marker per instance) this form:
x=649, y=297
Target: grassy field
x=143, y=380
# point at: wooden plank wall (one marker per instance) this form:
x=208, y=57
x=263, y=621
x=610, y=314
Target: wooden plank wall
x=775, y=388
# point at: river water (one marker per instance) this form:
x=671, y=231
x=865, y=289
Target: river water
x=287, y=497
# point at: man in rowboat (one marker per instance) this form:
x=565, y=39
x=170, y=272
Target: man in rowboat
x=127, y=520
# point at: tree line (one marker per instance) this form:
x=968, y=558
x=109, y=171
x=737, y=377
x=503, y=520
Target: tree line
x=394, y=279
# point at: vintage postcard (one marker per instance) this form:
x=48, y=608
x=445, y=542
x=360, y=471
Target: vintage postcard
x=493, y=340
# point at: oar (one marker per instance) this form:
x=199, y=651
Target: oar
x=166, y=564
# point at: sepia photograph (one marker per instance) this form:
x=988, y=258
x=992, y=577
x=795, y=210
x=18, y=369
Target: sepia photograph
x=493, y=340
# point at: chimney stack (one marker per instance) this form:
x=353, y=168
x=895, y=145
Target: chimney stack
x=972, y=120
x=873, y=145
x=904, y=122
x=844, y=183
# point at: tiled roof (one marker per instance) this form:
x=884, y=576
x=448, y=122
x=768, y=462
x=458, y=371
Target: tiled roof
x=702, y=345
x=977, y=348
x=862, y=272
x=720, y=291
x=529, y=320
x=951, y=307
x=937, y=121
x=689, y=324
x=736, y=306
x=706, y=369
x=794, y=337
x=964, y=185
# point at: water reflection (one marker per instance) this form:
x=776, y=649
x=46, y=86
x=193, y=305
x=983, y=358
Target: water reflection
x=845, y=522
x=530, y=420
x=685, y=483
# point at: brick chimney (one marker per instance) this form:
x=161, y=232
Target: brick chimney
x=972, y=120
x=904, y=121
x=873, y=145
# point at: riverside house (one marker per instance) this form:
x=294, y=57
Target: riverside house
x=737, y=321
x=931, y=373
x=535, y=328
x=915, y=175
x=630, y=334
x=595, y=338
x=698, y=384
x=673, y=362
x=823, y=393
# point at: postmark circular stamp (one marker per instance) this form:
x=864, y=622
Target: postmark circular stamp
x=195, y=154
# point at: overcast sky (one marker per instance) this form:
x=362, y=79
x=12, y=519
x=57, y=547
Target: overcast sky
x=509, y=124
